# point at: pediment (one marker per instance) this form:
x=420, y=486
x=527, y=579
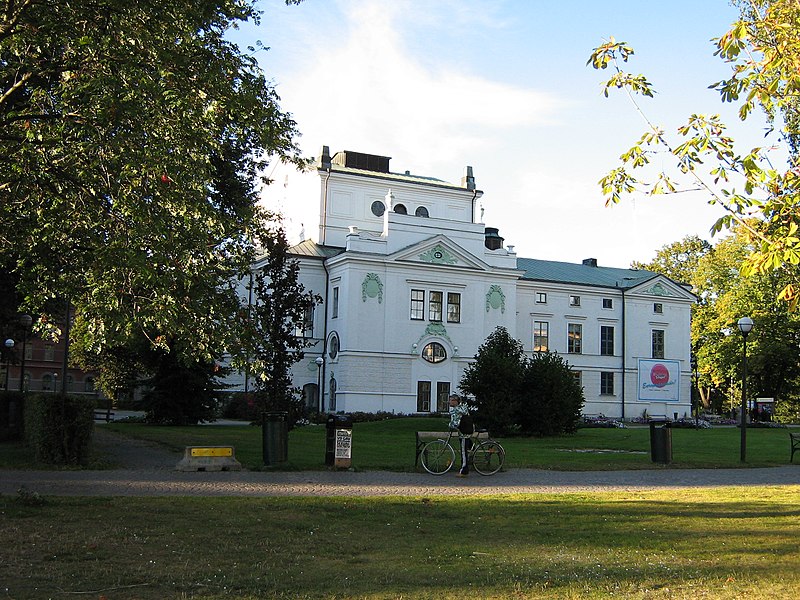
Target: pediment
x=439, y=250
x=662, y=287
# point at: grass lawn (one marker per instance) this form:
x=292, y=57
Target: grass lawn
x=718, y=543
x=390, y=445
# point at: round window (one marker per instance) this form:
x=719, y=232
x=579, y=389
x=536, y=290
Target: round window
x=434, y=352
x=421, y=211
x=400, y=209
x=333, y=350
x=378, y=208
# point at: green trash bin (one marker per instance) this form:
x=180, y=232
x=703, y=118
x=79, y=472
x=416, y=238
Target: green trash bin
x=661, y=442
x=275, y=437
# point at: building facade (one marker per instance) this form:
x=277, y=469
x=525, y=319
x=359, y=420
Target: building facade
x=412, y=285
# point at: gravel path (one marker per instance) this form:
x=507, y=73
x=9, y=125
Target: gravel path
x=146, y=469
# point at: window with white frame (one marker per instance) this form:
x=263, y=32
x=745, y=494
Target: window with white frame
x=608, y=303
x=606, y=383
x=541, y=336
x=417, y=305
x=658, y=308
x=578, y=378
x=306, y=327
x=606, y=340
x=435, y=306
x=541, y=297
x=574, y=338
x=574, y=300
x=437, y=309
x=658, y=343
x=335, y=304
x=453, y=307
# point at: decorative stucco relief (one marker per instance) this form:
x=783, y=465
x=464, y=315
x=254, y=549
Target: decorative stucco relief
x=438, y=255
x=495, y=298
x=372, y=287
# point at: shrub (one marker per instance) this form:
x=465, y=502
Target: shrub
x=11, y=430
x=58, y=427
x=551, y=397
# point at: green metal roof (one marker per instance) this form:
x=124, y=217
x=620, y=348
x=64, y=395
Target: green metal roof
x=313, y=249
x=581, y=274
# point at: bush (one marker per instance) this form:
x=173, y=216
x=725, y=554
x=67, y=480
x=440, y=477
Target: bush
x=9, y=430
x=551, y=397
x=58, y=428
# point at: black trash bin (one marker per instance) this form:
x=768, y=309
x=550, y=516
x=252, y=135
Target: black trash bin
x=339, y=441
x=275, y=437
x=661, y=442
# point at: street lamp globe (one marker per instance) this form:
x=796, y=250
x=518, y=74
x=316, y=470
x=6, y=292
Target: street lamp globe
x=9, y=343
x=745, y=325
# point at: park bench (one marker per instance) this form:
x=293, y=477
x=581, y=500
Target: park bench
x=208, y=458
x=794, y=438
x=103, y=415
x=423, y=437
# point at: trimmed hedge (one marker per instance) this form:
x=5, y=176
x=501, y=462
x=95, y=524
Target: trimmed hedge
x=58, y=428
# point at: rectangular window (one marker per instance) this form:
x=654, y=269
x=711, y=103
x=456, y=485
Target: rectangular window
x=29, y=352
x=658, y=343
x=423, y=396
x=541, y=336
x=417, y=305
x=335, y=307
x=453, y=308
x=435, y=306
x=658, y=308
x=574, y=335
x=574, y=300
x=442, y=395
x=606, y=384
x=49, y=353
x=606, y=340
x=541, y=298
x=608, y=303
x=578, y=378
x=306, y=328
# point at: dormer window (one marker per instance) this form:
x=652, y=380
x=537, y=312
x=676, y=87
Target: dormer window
x=400, y=209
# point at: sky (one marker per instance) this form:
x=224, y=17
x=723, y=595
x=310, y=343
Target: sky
x=503, y=86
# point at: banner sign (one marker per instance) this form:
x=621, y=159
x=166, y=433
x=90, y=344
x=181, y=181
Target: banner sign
x=659, y=380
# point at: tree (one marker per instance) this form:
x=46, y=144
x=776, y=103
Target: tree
x=516, y=394
x=281, y=310
x=677, y=260
x=763, y=51
x=133, y=136
x=494, y=380
x=552, y=397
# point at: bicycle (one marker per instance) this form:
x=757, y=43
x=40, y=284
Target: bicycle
x=486, y=456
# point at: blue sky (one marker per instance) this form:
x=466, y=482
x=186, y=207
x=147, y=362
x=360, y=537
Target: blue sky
x=503, y=86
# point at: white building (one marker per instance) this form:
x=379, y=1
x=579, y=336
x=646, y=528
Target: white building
x=412, y=285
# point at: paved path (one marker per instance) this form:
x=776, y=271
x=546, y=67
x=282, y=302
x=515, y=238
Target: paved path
x=149, y=470
x=165, y=482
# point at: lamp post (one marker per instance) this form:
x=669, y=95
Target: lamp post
x=319, y=361
x=26, y=321
x=745, y=326
x=9, y=344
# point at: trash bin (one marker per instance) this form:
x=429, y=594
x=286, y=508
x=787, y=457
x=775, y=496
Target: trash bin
x=275, y=437
x=661, y=442
x=339, y=441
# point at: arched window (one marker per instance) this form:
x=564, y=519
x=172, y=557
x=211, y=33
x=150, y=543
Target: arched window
x=47, y=382
x=378, y=208
x=421, y=212
x=434, y=352
x=400, y=209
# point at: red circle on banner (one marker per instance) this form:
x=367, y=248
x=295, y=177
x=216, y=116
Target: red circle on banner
x=659, y=375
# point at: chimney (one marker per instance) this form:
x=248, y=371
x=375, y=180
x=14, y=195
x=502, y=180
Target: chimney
x=468, y=181
x=325, y=158
x=492, y=239
x=590, y=262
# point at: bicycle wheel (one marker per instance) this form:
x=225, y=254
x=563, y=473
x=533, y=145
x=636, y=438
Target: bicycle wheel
x=488, y=458
x=437, y=457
